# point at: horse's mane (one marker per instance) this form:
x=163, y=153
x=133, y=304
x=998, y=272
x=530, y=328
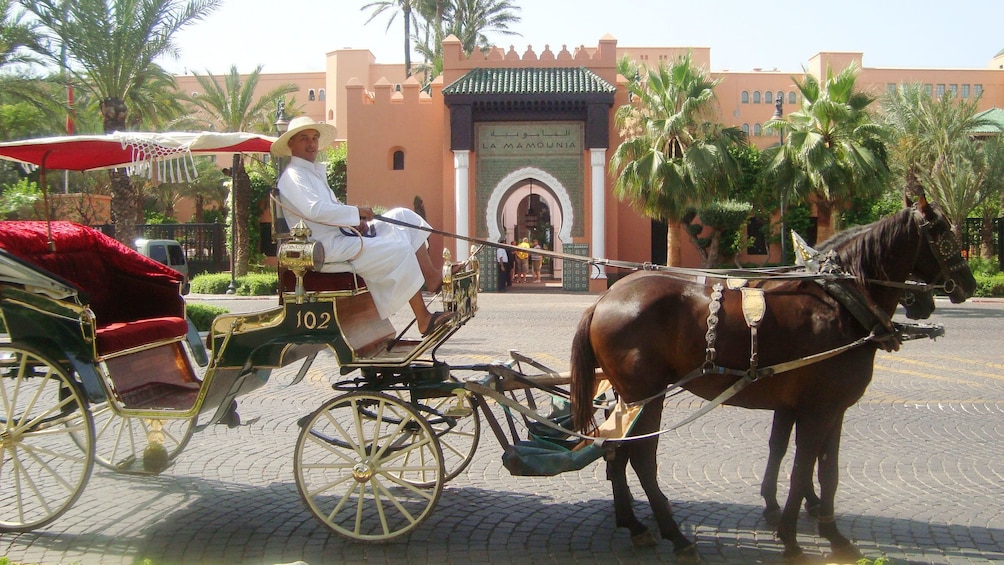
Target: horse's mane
x=860, y=248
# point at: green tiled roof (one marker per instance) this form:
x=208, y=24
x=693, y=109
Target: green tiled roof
x=559, y=80
x=993, y=115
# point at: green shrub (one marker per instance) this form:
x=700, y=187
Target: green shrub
x=258, y=284
x=989, y=285
x=202, y=315
x=215, y=283
x=984, y=266
x=252, y=284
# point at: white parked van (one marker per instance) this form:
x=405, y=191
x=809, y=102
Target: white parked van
x=168, y=252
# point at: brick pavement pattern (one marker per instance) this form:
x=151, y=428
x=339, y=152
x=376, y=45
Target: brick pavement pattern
x=922, y=472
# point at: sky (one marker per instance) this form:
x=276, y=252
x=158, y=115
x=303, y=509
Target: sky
x=742, y=34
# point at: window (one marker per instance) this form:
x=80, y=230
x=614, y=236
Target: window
x=780, y=95
x=953, y=89
x=768, y=97
x=744, y=97
x=399, y=160
x=194, y=94
x=977, y=90
x=320, y=94
x=965, y=91
x=928, y=89
x=941, y=90
x=890, y=88
x=746, y=129
x=792, y=97
x=310, y=95
x=756, y=96
x=756, y=129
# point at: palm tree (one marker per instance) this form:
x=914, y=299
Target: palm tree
x=674, y=156
x=112, y=46
x=232, y=106
x=472, y=19
x=18, y=40
x=927, y=130
x=833, y=149
x=469, y=20
x=393, y=7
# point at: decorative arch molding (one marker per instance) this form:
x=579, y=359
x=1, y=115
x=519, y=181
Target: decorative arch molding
x=553, y=184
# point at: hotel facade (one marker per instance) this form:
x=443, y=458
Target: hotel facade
x=506, y=138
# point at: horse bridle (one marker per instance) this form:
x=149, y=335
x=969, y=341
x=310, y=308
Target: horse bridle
x=947, y=252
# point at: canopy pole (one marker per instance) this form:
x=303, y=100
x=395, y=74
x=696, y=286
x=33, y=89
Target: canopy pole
x=45, y=201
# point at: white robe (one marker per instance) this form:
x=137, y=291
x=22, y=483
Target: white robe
x=387, y=262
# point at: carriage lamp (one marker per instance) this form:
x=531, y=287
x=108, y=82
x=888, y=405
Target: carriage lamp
x=299, y=255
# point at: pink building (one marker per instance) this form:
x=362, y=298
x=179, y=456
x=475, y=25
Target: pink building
x=506, y=139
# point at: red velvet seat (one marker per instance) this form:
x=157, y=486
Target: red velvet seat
x=135, y=300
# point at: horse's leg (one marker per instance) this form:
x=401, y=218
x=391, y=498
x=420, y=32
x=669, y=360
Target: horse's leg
x=623, y=512
x=780, y=434
x=842, y=548
x=808, y=436
x=643, y=461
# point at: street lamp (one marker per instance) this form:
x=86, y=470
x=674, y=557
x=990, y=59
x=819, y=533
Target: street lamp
x=779, y=115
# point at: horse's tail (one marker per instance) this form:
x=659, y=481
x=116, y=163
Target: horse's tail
x=583, y=385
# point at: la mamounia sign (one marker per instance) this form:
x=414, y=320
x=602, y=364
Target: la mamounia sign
x=529, y=139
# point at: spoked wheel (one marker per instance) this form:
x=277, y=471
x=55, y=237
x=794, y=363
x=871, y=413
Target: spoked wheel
x=130, y=444
x=357, y=463
x=43, y=416
x=457, y=425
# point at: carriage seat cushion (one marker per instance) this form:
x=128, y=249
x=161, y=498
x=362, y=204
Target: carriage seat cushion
x=120, y=336
x=121, y=286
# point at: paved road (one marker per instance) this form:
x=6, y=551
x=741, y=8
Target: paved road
x=922, y=469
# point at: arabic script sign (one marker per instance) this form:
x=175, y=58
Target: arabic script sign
x=529, y=138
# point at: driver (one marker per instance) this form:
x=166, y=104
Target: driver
x=394, y=260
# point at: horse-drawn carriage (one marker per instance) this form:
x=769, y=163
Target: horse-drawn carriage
x=101, y=366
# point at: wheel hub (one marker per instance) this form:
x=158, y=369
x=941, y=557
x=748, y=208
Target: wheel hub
x=362, y=471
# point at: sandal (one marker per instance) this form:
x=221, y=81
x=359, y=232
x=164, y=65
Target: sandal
x=438, y=320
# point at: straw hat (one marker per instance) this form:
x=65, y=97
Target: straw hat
x=280, y=147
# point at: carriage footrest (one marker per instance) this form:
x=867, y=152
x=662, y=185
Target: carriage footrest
x=912, y=331
x=543, y=458
x=161, y=396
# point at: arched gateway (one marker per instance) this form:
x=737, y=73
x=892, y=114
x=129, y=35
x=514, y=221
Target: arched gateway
x=531, y=128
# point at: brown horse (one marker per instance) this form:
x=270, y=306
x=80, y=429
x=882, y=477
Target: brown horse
x=651, y=330
x=917, y=300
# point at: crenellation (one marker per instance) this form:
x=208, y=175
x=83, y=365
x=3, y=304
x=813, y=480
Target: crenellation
x=547, y=54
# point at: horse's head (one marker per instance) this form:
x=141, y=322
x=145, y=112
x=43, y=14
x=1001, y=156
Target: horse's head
x=940, y=261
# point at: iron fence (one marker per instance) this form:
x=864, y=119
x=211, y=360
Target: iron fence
x=973, y=239
x=204, y=244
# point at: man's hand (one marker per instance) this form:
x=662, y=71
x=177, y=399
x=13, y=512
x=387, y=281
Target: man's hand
x=365, y=216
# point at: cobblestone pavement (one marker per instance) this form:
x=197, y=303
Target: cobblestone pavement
x=922, y=469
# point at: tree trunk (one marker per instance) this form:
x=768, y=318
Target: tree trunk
x=242, y=214
x=673, y=258
x=912, y=189
x=127, y=206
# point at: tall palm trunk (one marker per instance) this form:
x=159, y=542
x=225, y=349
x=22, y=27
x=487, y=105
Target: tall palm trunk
x=242, y=215
x=673, y=258
x=126, y=205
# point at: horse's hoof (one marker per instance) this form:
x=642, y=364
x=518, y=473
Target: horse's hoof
x=688, y=555
x=793, y=555
x=845, y=552
x=644, y=539
x=772, y=516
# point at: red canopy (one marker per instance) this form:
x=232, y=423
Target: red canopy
x=87, y=152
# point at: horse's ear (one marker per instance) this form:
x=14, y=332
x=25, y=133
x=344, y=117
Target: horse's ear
x=922, y=202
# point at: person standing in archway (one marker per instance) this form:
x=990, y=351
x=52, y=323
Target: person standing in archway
x=537, y=260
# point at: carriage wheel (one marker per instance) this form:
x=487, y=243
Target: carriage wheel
x=42, y=469
x=357, y=473
x=130, y=444
x=457, y=424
